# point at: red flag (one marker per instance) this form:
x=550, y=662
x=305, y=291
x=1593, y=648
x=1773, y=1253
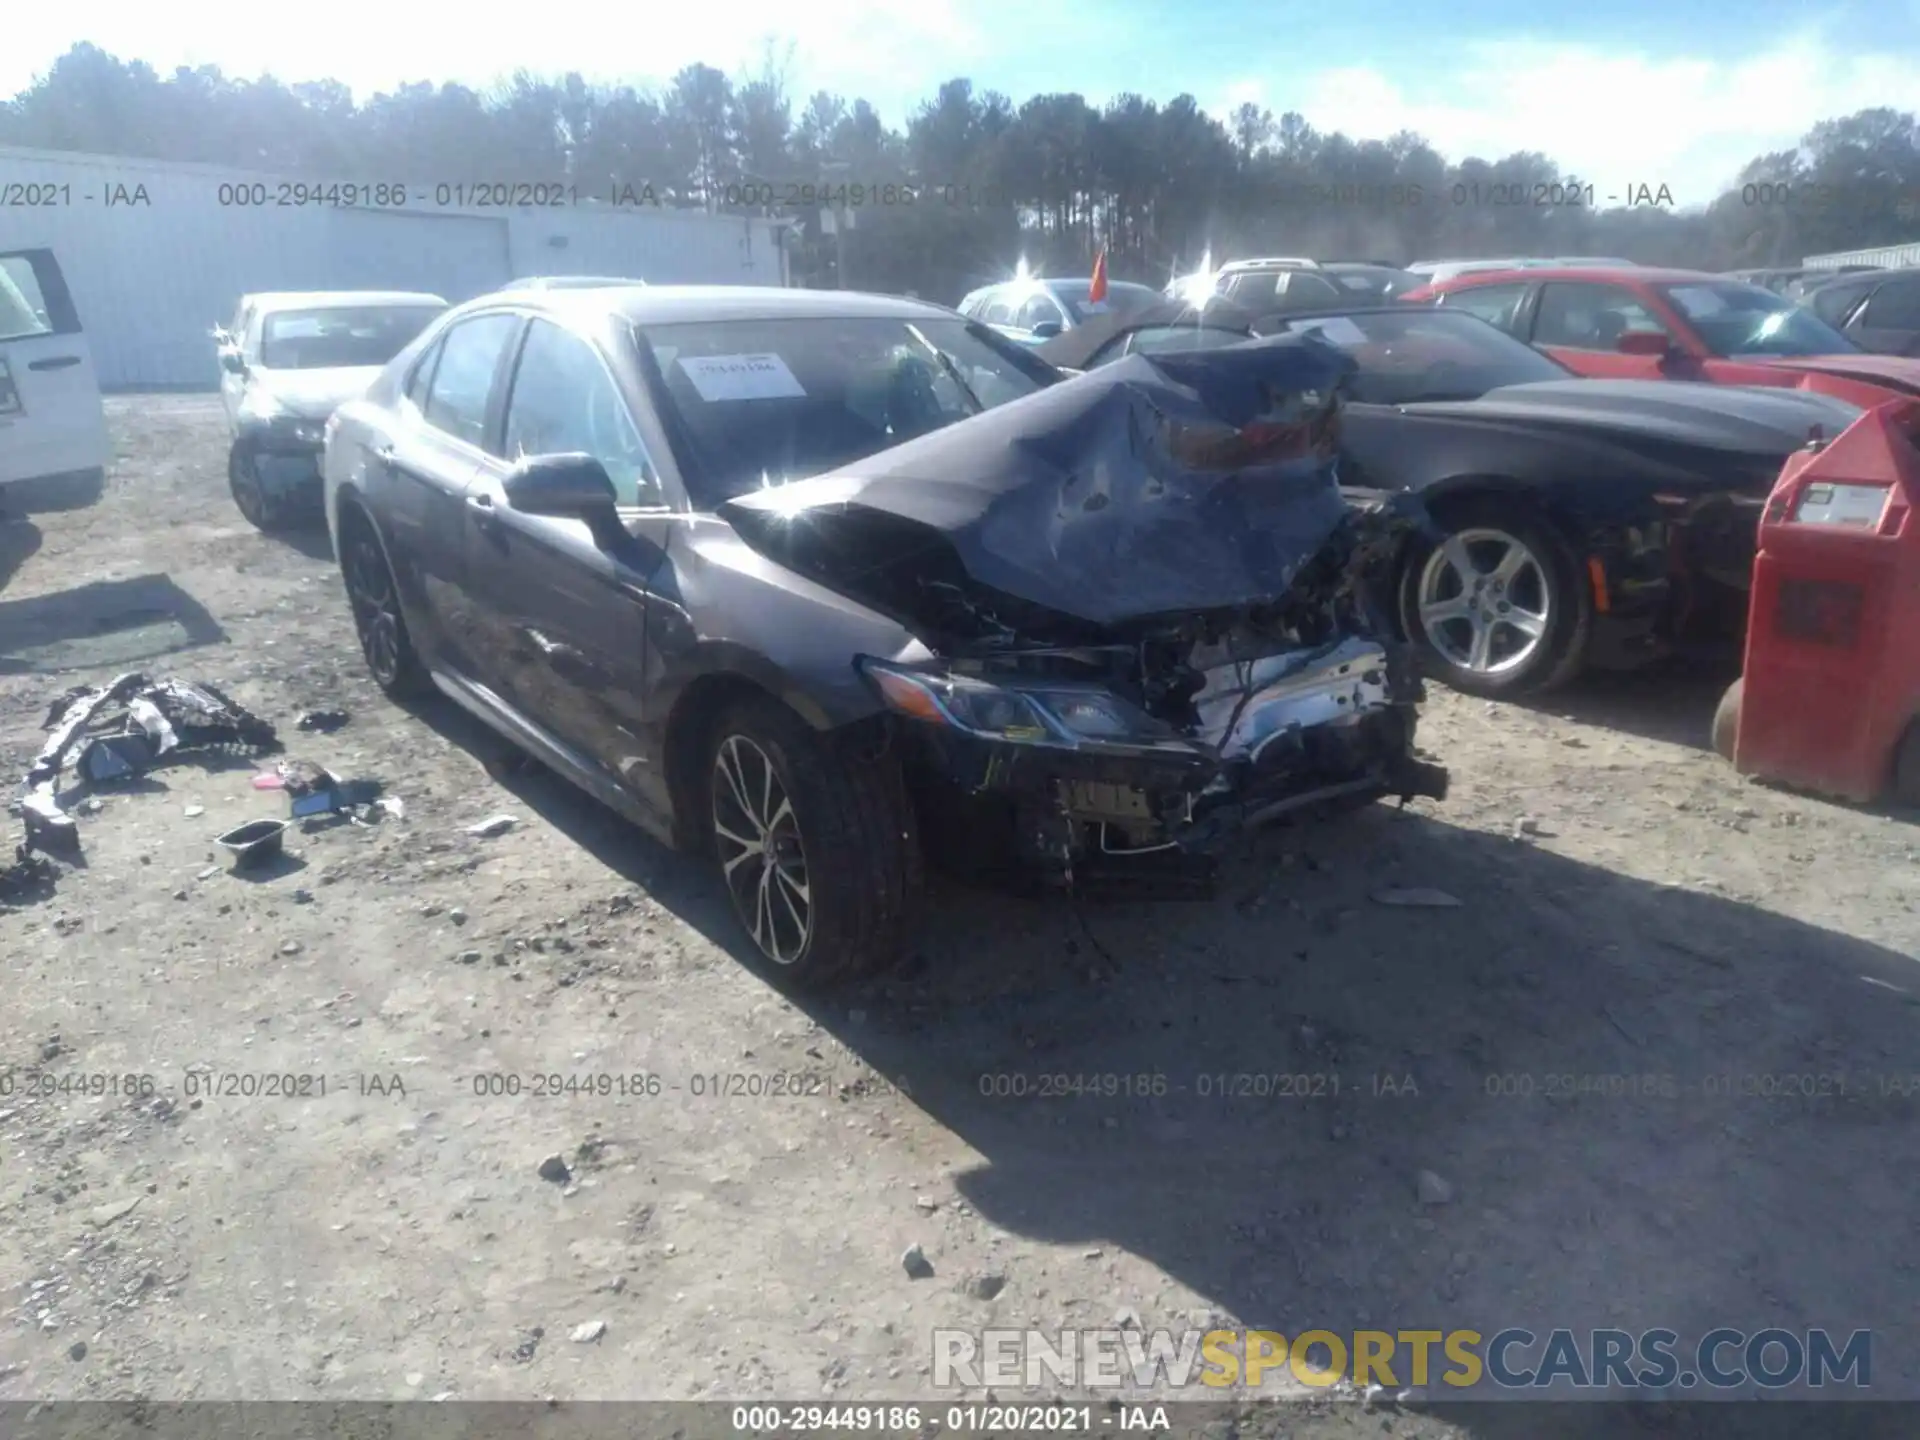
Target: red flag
x=1097, y=291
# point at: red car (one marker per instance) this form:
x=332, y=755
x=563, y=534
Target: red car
x=1648, y=324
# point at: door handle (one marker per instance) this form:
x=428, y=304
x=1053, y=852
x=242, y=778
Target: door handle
x=384, y=454
x=54, y=362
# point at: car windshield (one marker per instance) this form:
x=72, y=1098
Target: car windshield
x=1747, y=320
x=1123, y=298
x=1416, y=355
x=340, y=336
x=758, y=403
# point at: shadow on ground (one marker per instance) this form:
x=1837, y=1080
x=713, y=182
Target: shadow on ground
x=1672, y=701
x=1640, y=1097
x=111, y=624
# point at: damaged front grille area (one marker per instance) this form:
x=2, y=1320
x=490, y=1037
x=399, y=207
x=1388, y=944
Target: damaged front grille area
x=1129, y=758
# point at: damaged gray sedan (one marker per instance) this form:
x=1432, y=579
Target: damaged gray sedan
x=821, y=584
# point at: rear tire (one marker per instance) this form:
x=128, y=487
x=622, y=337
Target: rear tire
x=1726, y=720
x=377, y=618
x=817, y=844
x=1463, y=602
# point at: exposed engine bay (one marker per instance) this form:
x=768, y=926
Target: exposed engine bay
x=1148, y=616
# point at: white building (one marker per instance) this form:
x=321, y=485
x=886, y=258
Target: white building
x=1887, y=257
x=157, y=253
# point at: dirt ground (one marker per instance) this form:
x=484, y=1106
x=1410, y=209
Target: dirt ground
x=394, y=1238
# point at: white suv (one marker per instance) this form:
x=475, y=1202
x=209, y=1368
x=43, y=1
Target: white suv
x=53, y=428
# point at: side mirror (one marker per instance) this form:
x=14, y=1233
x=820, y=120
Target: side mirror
x=1644, y=342
x=232, y=362
x=1047, y=329
x=572, y=486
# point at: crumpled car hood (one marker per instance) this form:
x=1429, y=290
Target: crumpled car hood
x=1186, y=482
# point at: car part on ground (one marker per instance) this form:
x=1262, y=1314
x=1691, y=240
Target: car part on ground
x=1109, y=623
x=157, y=720
x=1830, y=697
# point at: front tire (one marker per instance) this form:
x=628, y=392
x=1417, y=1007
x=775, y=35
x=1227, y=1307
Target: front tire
x=1496, y=608
x=377, y=619
x=817, y=844
x=259, y=508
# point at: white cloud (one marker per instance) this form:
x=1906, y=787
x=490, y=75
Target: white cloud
x=1612, y=118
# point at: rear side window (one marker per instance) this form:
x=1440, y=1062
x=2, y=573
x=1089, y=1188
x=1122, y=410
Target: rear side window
x=423, y=375
x=1835, y=301
x=463, y=378
x=33, y=297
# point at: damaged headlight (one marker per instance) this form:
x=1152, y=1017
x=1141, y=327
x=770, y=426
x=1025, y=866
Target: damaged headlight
x=1071, y=717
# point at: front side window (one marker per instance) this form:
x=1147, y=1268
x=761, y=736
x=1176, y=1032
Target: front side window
x=340, y=337
x=1734, y=320
x=24, y=309
x=1038, y=310
x=1590, y=317
x=463, y=377
x=756, y=403
x=565, y=402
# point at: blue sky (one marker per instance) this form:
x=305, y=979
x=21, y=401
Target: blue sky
x=1621, y=92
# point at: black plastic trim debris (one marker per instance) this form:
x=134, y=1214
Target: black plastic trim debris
x=157, y=720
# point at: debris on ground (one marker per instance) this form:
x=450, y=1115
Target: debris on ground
x=1416, y=897
x=491, y=826
x=156, y=719
x=1432, y=1190
x=916, y=1264
x=555, y=1168
x=589, y=1331
x=254, y=843
x=324, y=722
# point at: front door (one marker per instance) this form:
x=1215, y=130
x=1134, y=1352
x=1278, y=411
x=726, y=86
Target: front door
x=1579, y=323
x=566, y=613
x=51, y=418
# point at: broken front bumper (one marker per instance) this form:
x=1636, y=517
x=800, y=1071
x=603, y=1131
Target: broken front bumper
x=1334, y=727
x=285, y=453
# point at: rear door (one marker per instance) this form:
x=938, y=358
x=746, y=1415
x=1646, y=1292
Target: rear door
x=51, y=418
x=1890, y=320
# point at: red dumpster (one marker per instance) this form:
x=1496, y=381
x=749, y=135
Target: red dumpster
x=1830, y=697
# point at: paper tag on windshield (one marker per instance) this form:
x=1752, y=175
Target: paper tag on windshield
x=741, y=377
x=1339, y=330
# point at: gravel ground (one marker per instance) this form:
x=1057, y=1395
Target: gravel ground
x=394, y=1238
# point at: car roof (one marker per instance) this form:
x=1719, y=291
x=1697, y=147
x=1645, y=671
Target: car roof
x=269, y=300
x=665, y=304
x=1603, y=274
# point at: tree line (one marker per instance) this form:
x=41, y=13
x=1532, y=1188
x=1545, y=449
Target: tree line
x=976, y=180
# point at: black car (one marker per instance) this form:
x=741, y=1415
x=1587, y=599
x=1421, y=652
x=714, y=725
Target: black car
x=1878, y=310
x=1585, y=521
x=1102, y=623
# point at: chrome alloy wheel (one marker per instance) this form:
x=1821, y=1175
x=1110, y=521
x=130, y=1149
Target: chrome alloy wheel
x=761, y=855
x=376, y=608
x=1485, y=601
